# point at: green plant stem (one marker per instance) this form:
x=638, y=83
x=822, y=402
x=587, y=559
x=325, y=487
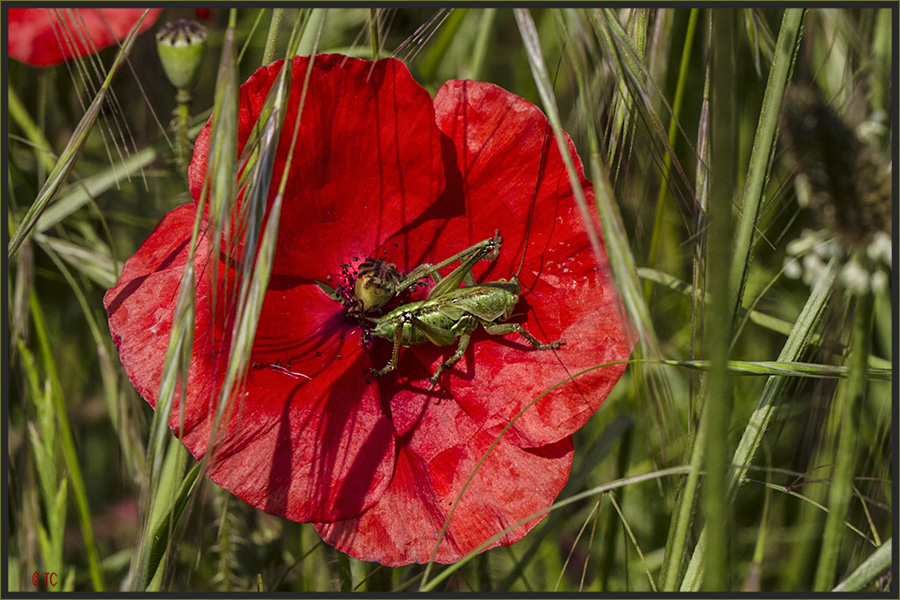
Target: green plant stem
x=182, y=115
x=272, y=37
x=849, y=408
x=717, y=399
x=684, y=509
x=485, y=25
x=375, y=32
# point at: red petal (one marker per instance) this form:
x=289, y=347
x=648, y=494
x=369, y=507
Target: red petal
x=43, y=37
x=432, y=468
x=367, y=162
x=306, y=450
x=567, y=291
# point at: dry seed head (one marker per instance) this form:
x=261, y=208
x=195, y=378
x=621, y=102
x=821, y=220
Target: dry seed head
x=850, y=185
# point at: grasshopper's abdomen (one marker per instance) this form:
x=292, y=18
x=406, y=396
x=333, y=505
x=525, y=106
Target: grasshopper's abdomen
x=493, y=301
x=403, y=317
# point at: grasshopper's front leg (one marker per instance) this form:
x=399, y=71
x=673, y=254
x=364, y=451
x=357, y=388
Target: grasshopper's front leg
x=395, y=355
x=505, y=328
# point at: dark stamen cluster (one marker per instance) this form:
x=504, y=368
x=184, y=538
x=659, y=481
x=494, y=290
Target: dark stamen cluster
x=368, y=288
x=347, y=293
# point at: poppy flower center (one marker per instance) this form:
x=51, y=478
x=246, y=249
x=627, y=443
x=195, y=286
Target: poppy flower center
x=376, y=282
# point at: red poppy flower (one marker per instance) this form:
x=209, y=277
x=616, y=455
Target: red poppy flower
x=377, y=463
x=48, y=36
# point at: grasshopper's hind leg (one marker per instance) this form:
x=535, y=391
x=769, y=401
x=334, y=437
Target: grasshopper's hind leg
x=505, y=328
x=462, y=329
x=486, y=249
x=460, y=351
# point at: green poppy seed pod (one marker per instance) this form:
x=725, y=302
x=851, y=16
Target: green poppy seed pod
x=376, y=283
x=181, y=45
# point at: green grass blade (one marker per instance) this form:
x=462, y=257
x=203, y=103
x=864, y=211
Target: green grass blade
x=607, y=487
x=680, y=86
x=760, y=318
x=485, y=27
x=78, y=194
x=602, y=446
x=223, y=144
x=33, y=133
x=764, y=148
x=873, y=567
x=785, y=369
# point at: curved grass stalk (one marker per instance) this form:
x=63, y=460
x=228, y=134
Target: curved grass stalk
x=634, y=542
x=612, y=485
x=590, y=517
x=70, y=154
x=443, y=532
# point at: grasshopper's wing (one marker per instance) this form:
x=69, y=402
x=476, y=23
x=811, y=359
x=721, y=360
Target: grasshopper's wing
x=438, y=337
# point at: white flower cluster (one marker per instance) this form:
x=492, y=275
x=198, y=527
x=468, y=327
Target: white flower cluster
x=808, y=255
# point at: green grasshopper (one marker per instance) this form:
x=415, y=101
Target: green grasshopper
x=376, y=282
x=451, y=312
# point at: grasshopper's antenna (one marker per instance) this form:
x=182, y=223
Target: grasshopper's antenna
x=543, y=163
